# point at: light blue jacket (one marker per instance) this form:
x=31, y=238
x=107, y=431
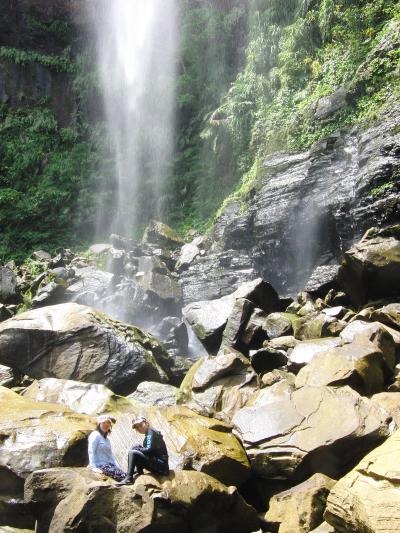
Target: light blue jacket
x=100, y=452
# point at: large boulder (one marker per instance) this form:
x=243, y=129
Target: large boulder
x=70, y=341
x=90, y=286
x=301, y=508
x=388, y=315
x=190, y=502
x=8, y=285
x=289, y=434
x=160, y=394
x=219, y=386
x=361, y=366
x=209, y=318
x=371, y=268
x=368, y=498
x=86, y=398
x=38, y=435
x=162, y=235
x=194, y=442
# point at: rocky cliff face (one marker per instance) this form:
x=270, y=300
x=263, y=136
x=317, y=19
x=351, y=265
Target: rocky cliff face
x=303, y=211
x=34, y=35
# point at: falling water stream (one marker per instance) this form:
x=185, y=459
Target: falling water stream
x=136, y=52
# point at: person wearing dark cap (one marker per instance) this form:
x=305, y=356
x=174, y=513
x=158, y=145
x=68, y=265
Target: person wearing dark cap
x=153, y=455
x=101, y=458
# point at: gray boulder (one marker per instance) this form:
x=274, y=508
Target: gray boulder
x=209, y=318
x=151, y=393
x=162, y=235
x=371, y=268
x=8, y=285
x=70, y=341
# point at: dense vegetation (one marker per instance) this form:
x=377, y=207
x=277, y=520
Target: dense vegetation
x=297, y=51
x=251, y=75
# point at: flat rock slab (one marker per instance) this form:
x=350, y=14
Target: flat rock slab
x=289, y=434
x=368, y=498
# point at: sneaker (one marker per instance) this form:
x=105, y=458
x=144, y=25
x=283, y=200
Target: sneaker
x=126, y=481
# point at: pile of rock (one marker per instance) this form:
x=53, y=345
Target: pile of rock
x=296, y=407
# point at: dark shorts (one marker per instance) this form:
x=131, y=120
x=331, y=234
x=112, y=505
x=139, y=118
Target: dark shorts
x=113, y=472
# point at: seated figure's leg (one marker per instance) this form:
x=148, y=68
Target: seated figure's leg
x=137, y=460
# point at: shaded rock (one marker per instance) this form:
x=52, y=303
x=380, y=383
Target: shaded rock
x=155, y=277
x=151, y=393
x=37, y=435
x=174, y=334
x=270, y=378
x=16, y=513
x=371, y=268
x=41, y=255
x=8, y=285
x=329, y=105
x=162, y=235
x=78, y=500
x=231, y=381
x=300, y=508
x=90, y=287
x=384, y=338
x=70, y=341
x=361, y=366
x=317, y=326
x=216, y=275
x=52, y=293
x=100, y=249
x=267, y=359
x=236, y=323
x=208, y=318
x=188, y=254
x=390, y=401
x=279, y=324
x=5, y=313
x=368, y=498
x=226, y=363
x=304, y=351
x=388, y=315
x=323, y=528
x=254, y=334
x=322, y=280
x=289, y=434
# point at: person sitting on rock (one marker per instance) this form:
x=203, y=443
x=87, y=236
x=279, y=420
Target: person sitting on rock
x=153, y=455
x=101, y=458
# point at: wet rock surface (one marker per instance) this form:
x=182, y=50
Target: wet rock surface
x=306, y=210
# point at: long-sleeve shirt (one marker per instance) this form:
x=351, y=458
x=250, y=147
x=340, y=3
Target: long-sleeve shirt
x=154, y=445
x=100, y=452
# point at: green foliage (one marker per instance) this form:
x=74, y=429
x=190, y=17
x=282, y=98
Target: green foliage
x=48, y=176
x=54, y=27
x=60, y=63
x=297, y=52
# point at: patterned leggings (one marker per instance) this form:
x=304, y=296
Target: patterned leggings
x=113, y=471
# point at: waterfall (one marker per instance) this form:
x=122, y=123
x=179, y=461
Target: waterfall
x=136, y=52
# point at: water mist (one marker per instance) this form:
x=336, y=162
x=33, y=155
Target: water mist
x=136, y=51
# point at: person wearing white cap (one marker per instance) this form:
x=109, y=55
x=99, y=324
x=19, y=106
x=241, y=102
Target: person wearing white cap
x=153, y=455
x=101, y=458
